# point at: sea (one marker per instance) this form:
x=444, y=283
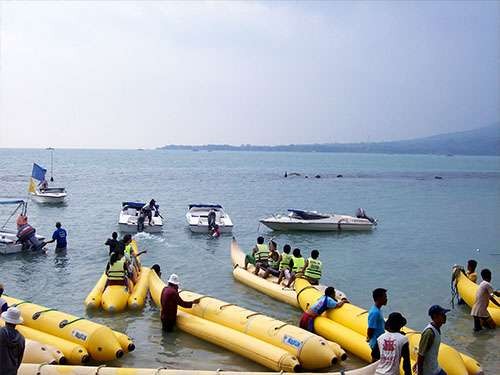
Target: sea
x=433, y=211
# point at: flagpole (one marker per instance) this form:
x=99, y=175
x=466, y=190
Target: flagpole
x=51, y=164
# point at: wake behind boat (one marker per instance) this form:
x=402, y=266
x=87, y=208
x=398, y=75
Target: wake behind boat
x=314, y=221
x=202, y=218
x=140, y=217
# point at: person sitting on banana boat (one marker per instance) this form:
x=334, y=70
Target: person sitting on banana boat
x=273, y=265
x=313, y=268
x=260, y=253
x=324, y=303
x=298, y=263
x=116, y=270
x=285, y=263
x=130, y=258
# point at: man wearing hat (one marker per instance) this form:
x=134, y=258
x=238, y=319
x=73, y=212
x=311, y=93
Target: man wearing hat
x=393, y=345
x=11, y=342
x=428, y=348
x=170, y=299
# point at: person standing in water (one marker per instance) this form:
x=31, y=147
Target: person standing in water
x=60, y=236
x=376, y=321
x=485, y=293
x=170, y=299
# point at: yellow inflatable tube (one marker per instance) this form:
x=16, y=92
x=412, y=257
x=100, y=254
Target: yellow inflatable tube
x=94, y=298
x=35, y=352
x=74, y=354
x=138, y=296
x=30, y=369
x=355, y=319
x=126, y=343
x=99, y=340
x=467, y=289
x=247, y=346
x=312, y=351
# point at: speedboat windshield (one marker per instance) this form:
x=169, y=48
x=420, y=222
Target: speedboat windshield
x=306, y=215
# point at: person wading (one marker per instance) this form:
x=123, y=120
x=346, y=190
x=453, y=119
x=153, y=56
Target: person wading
x=170, y=299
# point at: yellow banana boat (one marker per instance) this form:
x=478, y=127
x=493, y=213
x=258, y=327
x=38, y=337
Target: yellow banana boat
x=312, y=350
x=74, y=354
x=115, y=298
x=247, y=346
x=126, y=343
x=35, y=352
x=467, y=289
x=355, y=319
x=99, y=340
x=31, y=369
x=267, y=286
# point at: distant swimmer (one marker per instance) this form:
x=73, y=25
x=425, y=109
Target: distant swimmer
x=170, y=299
x=430, y=340
x=485, y=293
x=324, y=303
x=376, y=321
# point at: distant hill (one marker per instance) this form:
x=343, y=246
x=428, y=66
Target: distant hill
x=481, y=141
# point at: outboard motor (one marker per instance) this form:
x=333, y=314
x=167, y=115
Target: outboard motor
x=361, y=214
x=211, y=220
x=27, y=236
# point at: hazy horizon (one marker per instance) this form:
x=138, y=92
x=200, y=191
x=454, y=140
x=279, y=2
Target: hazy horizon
x=121, y=75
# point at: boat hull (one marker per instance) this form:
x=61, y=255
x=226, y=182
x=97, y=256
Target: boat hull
x=317, y=226
x=48, y=198
x=129, y=228
x=8, y=243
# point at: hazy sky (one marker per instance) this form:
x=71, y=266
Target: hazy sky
x=144, y=74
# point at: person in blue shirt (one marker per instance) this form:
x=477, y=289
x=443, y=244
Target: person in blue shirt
x=323, y=303
x=376, y=323
x=60, y=236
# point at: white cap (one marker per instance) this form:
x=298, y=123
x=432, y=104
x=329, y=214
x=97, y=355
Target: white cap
x=12, y=316
x=174, y=279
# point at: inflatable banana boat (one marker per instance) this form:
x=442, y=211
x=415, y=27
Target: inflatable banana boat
x=267, y=286
x=348, y=325
x=100, y=341
x=74, y=354
x=467, y=289
x=115, y=298
x=35, y=352
x=312, y=351
x=268, y=355
x=30, y=369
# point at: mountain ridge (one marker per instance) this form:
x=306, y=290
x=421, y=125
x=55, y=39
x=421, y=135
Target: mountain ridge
x=479, y=141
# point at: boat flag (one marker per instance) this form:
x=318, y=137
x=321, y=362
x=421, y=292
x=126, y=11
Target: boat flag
x=38, y=173
x=32, y=186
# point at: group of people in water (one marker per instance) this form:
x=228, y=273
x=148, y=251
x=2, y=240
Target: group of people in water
x=284, y=265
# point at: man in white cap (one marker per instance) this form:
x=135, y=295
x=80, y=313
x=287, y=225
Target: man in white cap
x=11, y=342
x=170, y=299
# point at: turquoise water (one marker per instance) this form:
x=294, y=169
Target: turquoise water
x=425, y=226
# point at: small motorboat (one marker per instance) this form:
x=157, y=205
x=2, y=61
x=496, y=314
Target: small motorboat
x=203, y=218
x=24, y=238
x=314, y=221
x=49, y=195
x=133, y=220
x=40, y=191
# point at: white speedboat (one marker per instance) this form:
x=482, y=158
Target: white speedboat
x=314, y=221
x=130, y=220
x=50, y=195
x=198, y=218
x=25, y=238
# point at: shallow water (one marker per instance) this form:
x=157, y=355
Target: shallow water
x=425, y=226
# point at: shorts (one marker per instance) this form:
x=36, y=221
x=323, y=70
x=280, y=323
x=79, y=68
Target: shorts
x=250, y=259
x=286, y=273
x=307, y=322
x=60, y=249
x=262, y=264
x=313, y=281
x=167, y=325
x=273, y=271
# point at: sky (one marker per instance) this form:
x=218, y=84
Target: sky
x=125, y=74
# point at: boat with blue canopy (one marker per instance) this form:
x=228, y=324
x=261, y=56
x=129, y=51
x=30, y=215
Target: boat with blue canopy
x=136, y=217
